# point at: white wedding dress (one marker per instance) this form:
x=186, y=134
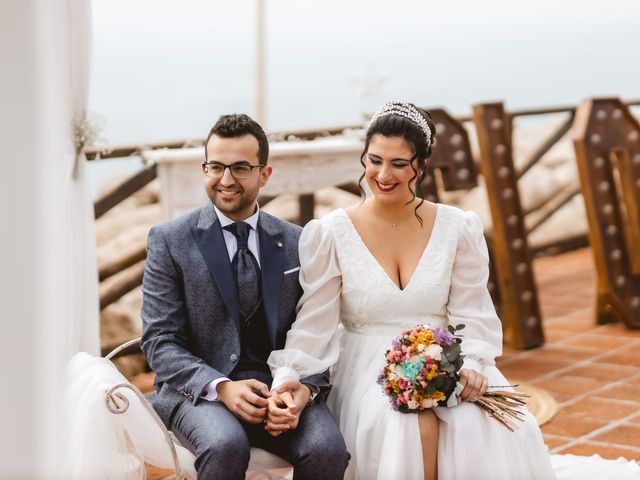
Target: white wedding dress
x=350, y=312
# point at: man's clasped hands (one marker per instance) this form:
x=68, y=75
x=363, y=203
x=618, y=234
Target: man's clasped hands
x=252, y=402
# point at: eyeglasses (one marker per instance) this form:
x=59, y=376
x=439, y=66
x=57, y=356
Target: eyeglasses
x=216, y=170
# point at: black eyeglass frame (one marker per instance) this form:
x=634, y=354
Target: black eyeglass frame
x=230, y=167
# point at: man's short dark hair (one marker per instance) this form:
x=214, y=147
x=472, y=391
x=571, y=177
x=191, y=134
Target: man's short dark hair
x=236, y=125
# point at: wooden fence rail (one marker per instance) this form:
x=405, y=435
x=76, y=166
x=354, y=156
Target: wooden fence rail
x=512, y=284
x=124, y=190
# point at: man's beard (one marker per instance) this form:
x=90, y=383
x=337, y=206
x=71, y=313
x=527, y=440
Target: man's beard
x=242, y=203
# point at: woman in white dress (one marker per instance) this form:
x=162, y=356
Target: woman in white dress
x=390, y=263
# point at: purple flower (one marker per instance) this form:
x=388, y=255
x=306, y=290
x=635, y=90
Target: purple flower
x=443, y=337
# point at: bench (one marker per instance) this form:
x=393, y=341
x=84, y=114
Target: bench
x=263, y=464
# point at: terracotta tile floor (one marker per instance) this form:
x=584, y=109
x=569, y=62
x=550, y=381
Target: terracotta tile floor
x=592, y=371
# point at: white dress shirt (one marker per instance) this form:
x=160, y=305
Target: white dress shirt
x=210, y=392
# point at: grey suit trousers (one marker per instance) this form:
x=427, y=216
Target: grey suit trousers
x=222, y=442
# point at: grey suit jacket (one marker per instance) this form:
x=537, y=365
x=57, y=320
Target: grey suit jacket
x=191, y=324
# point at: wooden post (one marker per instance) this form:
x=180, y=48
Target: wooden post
x=307, y=207
x=453, y=160
x=518, y=293
x=606, y=138
x=451, y=156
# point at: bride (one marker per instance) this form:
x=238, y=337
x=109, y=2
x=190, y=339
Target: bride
x=388, y=264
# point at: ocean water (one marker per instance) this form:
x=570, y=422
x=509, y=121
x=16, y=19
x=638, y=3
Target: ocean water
x=164, y=70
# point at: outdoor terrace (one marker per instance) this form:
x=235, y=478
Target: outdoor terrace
x=592, y=371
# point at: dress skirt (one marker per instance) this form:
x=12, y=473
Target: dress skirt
x=386, y=444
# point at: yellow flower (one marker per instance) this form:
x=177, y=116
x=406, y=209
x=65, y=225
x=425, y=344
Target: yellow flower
x=432, y=373
x=393, y=384
x=424, y=338
x=434, y=397
x=437, y=396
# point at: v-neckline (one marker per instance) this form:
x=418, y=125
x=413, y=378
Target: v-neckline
x=375, y=260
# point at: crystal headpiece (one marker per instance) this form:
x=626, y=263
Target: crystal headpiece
x=407, y=111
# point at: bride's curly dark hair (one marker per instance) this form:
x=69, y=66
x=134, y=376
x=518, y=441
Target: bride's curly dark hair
x=399, y=126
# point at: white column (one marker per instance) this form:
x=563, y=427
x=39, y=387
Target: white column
x=261, y=74
x=44, y=240
x=82, y=289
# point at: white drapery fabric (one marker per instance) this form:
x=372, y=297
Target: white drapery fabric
x=48, y=280
x=103, y=445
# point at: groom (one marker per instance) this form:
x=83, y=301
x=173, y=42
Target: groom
x=220, y=292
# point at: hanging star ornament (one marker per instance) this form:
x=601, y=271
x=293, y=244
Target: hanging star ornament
x=368, y=82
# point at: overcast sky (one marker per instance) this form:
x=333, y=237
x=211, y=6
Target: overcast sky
x=166, y=69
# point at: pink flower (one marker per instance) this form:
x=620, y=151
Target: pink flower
x=429, y=403
x=393, y=356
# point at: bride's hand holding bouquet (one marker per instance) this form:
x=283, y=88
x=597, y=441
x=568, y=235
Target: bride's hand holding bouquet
x=474, y=385
x=424, y=370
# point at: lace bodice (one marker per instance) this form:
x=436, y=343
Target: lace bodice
x=344, y=284
x=370, y=298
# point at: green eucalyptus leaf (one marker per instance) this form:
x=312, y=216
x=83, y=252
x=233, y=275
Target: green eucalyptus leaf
x=452, y=352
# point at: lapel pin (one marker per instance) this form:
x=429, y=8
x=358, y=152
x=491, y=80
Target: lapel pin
x=279, y=244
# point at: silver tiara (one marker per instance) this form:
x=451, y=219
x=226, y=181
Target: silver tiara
x=407, y=111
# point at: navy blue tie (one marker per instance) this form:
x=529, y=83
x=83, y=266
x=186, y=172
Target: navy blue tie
x=246, y=270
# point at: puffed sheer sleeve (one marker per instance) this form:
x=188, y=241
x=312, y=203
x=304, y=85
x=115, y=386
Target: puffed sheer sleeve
x=469, y=299
x=312, y=344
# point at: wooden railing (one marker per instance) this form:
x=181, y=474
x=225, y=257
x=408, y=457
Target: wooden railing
x=512, y=283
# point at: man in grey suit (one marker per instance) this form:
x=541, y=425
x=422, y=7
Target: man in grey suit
x=220, y=291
